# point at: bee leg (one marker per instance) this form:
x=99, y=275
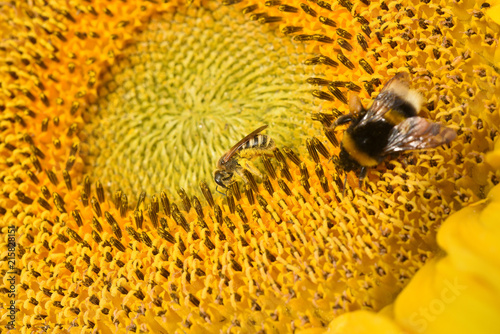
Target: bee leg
x=356, y=109
x=362, y=175
x=345, y=185
x=249, y=166
x=344, y=119
x=241, y=174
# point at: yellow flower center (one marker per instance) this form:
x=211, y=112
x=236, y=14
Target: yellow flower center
x=187, y=89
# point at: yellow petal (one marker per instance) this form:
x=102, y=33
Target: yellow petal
x=494, y=13
x=458, y=293
x=493, y=157
x=361, y=322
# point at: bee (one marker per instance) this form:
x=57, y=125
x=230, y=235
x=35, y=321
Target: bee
x=239, y=157
x=389, y=126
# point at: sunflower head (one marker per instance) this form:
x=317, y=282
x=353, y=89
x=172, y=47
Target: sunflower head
x=114, y=115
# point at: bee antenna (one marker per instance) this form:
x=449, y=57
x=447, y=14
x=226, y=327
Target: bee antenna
x=217, y=189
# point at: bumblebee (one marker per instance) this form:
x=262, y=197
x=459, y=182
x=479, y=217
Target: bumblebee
x=239, y=157
x=390, y=125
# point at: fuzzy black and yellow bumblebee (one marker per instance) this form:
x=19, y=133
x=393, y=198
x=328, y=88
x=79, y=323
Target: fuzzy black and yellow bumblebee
x=390, y=125
x=239, y=157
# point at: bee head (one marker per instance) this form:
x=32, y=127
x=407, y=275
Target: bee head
x=223, y=178
x=345, y=161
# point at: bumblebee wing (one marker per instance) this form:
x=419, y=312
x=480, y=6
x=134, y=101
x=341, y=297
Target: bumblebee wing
x=382, y=104
x=417, y=133
x=387, y=98
x=235, y=148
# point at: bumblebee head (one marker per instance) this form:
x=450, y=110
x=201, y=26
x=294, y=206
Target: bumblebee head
x=223, y=178
x=346, y=162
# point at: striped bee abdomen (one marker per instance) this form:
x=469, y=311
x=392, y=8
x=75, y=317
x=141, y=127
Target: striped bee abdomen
x=259, y=142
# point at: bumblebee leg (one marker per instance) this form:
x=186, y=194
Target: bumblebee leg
x=345, y=185
x=362, y=175
x=344, y=119
x=355, y=110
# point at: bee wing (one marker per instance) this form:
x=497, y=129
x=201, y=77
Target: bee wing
x=417, y=133
x=387, y=98
x=235, y=148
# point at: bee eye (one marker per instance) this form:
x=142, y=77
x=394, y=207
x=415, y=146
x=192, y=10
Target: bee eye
x=222, y=178
x=218, y=179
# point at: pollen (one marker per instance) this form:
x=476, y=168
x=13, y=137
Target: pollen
x=113, y=115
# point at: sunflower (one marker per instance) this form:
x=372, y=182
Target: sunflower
x=114, y=114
